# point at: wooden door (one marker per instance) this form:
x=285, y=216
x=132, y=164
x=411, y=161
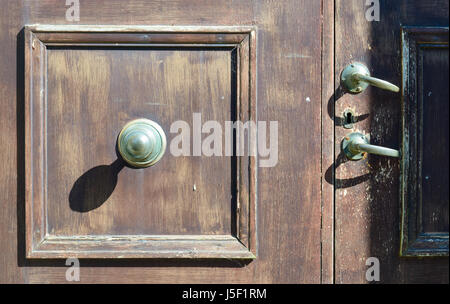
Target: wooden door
x=72, y=75
x=289, y=207
x=393, y=209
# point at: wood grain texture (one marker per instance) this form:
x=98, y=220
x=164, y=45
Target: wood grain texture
x=367, y=192
x=424, y=164
x=288, y=88
x=289, y=72
x=11, y=132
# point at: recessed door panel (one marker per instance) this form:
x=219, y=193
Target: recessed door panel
x=83, y=89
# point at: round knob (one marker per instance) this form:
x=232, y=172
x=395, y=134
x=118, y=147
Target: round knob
x=142, y=143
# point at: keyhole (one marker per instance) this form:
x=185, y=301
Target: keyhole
x=348, y=119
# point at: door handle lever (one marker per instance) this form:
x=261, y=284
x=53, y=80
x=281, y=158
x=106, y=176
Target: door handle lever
x=355, y=145
x=356, y=78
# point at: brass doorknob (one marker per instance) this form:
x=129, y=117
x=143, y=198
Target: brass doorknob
x=356, y=78
x=141, y=143
x=356, y=144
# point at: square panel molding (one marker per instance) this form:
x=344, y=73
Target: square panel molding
x=40, y=243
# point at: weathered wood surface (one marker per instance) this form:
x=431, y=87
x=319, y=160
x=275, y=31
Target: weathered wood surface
x=203, y=73
x=288, y=89
x=425, y=143
x=367, y=192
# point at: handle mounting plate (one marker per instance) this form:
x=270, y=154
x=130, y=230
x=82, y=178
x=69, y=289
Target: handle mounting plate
x=352, y=84
x=354, y=137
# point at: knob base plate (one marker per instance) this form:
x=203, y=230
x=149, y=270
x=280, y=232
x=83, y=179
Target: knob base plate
x=350, y=83
x=353, y=137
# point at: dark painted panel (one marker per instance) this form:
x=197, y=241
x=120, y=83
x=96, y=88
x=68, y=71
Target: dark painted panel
x=435, y=139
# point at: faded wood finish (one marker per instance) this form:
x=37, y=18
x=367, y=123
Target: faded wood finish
x=328, y=182
x=80, y=91
x=368, y=204
x=425, y=143
x=288, y=89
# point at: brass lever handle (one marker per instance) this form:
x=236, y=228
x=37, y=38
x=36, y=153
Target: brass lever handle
x=356, y=144
x=141, y=143
x=356, y=78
